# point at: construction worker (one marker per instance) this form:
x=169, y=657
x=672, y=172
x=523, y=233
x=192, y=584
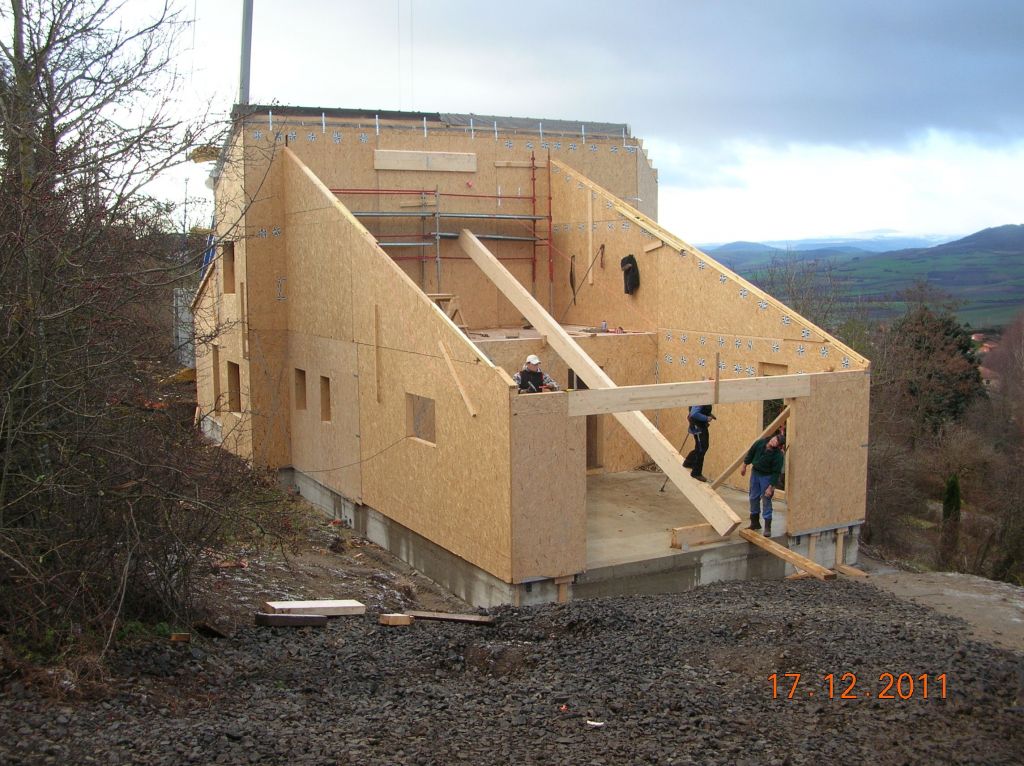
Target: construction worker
x=766, y=458
x=700, y=418
x=531, y=379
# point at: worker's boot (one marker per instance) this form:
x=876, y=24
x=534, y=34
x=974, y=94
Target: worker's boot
x=767, y=527
x=755, y=521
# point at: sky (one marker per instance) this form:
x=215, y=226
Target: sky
x=775, y=120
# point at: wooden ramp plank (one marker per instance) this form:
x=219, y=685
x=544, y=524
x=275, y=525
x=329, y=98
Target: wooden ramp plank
x=849, y=571
x=326, y=607
x=395, y=620
x=800, y=562
x=651, y=440
x=482, y=619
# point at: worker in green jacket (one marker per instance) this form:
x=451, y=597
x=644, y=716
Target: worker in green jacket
x=766, y=459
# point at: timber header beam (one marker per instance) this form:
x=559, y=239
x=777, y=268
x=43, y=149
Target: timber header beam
x=664, y=395
x=650, y=439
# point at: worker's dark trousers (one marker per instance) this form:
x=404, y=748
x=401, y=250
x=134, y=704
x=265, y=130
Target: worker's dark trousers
x=700, y=449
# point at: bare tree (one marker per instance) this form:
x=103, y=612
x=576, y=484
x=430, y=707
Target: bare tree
x=101, y=512
x=809, y=287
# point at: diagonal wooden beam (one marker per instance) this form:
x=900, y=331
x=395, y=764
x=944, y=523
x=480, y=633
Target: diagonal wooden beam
x=782, y=418
x=455, y=375
x=706, y=501
x=802, y=563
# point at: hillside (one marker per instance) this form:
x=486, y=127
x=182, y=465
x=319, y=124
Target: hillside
x=984, y=271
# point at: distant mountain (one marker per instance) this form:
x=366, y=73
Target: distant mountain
x=741, y=247
x=983, y=271
x=1008, y=239
x=877, y=244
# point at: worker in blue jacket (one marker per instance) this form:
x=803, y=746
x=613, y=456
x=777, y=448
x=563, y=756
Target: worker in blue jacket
x=700, y=418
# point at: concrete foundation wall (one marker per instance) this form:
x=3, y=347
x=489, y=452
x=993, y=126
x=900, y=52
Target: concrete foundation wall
x=730, y=560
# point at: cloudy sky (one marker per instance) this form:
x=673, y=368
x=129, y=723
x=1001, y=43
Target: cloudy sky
x=766, y=120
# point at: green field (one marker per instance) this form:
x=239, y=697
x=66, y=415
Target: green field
x=988, y=286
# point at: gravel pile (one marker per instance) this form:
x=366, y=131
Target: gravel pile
x=680, y=679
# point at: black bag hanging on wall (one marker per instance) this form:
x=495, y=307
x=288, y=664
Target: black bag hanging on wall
x=630, y=274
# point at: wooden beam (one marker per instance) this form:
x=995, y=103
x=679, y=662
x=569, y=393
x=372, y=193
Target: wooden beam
x=519, y=164
x=717, y=379
x=455, y=375
x=395, y=159
x=480, y=619
x=792, y=557
x=590, y=237
x=376, y=349
x=840, y=544
x=650, y=439
x=783, y=416
x=678, y=533
x=660, y=396
x=395, y=619
x=849, y=571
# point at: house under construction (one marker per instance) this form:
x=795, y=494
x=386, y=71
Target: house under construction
x=380, y=276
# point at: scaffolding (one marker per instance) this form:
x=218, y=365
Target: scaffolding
x=433, y=231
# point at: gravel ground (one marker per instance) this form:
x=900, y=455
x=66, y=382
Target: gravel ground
x=680, y=679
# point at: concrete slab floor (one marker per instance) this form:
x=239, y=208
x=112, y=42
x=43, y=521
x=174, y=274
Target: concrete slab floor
x=629, y=519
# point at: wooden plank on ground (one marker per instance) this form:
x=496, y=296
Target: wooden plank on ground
x=849, y=571
x=792, y=557
x=396, y=620
x=326, y=607
x=481, y=619
x=650, y=439
x=271, y=620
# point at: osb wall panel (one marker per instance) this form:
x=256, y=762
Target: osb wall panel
x=584, y=220
x=647, y=188
x=256, y=310
x=328, y=451
x=628, y=359
x=549, y=488
x=341, y=154
x=205, y=323
x=269, y=397
x=827, y=453
x=691, y=294
x=455, y=492
x=217, y=318
x=682, y=356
